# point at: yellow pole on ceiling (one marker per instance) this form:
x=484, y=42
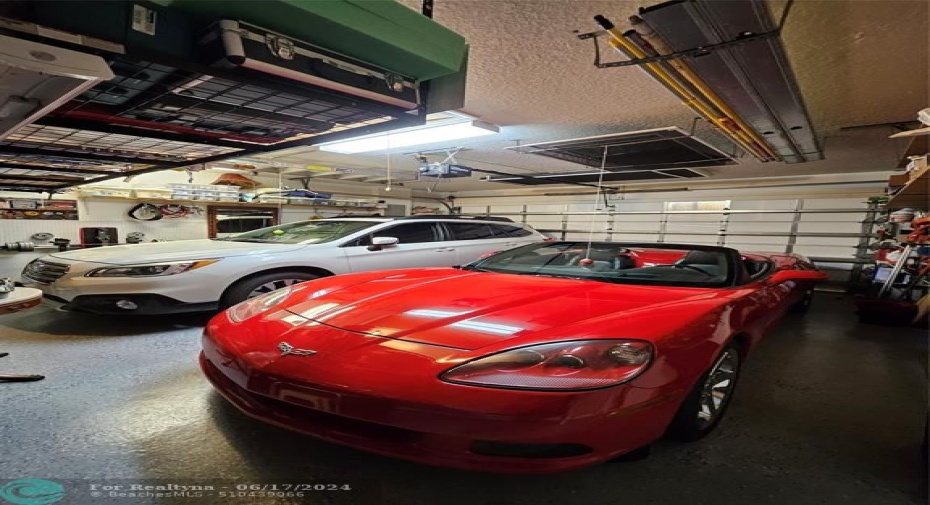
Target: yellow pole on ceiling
x=722, y=121
x=661, y=47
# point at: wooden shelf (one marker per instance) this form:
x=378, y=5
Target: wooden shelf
x=168, y=201
x=916, y=194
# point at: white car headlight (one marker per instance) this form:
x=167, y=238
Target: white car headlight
x=150, y=270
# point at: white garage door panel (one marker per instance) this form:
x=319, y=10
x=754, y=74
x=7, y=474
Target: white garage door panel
x=544, y=221
x=762, y=218
x=641, y=223
x=832, y=217
x=763, y=204
x=826, y=247
x=628, y=206
x=778, y=243
x=759, y=227
x=692, y=239
x=770, y=231
x=586, y=221
x=835, y=203
x=829, y=228
x=701, y=226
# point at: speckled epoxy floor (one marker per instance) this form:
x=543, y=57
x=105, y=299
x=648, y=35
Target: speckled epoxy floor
x=828, y=411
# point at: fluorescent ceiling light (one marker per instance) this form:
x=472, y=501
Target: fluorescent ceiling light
x=411, y=137
x=37, y=78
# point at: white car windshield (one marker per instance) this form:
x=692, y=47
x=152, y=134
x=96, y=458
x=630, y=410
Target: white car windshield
x=304, y=232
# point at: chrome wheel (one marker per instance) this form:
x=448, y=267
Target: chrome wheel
x=272, y=286
x=717, y=388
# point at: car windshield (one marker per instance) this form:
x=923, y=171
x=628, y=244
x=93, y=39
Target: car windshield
x=655, y=265
x=304, y=232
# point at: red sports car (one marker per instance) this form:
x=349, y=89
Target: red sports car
x=542, y=358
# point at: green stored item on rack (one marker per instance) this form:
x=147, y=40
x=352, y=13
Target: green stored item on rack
x=381, y=32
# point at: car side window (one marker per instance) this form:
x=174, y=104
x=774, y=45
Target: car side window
x=410, y=233
x=470, y=231
x=502, y=230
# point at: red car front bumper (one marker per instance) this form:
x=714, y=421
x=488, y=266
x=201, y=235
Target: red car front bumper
x=438, y=435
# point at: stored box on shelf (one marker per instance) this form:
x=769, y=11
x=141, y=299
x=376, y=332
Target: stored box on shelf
x=162, y=193
x=104, y=191
x=236, y=44
x=24, y=204
x=298, y=200
x=919, y=168
x=898, y=179
x=271, y=199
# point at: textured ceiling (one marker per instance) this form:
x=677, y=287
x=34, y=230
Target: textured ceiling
x=858, y=62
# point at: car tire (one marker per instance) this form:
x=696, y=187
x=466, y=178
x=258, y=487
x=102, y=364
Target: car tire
x=261, y=284
x=702, y=410
x=805, y=303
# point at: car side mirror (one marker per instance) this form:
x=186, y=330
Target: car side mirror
x=379, y=243
x=796, y=275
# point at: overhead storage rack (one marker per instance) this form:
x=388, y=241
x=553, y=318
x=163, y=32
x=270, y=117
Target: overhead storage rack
x=165, y=109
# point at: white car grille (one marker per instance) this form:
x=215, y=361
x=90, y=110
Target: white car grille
x=44, y=272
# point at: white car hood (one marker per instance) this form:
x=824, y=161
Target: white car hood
x=178, y=250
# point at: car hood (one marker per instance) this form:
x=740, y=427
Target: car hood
x=178, y=250
x=469, y=310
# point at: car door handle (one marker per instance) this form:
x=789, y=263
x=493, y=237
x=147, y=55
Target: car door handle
x=445, y=249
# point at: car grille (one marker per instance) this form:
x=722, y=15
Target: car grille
x=44, y=272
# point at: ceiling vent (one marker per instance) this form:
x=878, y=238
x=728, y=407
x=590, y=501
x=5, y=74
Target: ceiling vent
x=36, y=78
x=663, y=153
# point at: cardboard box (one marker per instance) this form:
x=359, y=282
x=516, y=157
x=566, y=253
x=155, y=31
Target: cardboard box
x=899, y=179
x=920, y=167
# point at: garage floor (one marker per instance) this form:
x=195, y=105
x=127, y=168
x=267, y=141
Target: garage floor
x=829, y=411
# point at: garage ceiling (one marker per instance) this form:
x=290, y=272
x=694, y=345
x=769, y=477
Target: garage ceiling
x=857, y=63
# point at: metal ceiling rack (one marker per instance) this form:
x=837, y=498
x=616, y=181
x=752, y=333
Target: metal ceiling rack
x=163, y=112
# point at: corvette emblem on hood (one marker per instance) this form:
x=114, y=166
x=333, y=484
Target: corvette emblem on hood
x=289, y=349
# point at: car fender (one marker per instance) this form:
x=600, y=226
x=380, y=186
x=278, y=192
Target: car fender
x=331, y=266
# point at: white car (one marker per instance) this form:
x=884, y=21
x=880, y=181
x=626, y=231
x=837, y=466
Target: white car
x=195, y=275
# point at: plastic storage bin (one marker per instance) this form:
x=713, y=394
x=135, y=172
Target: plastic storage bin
x=162, y=193
x=105, y=191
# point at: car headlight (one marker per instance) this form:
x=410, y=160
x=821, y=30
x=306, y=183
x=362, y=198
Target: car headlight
x=573, y=365
x=255, y=306
x=150, y=270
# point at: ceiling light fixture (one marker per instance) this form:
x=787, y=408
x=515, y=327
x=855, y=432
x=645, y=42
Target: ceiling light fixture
x=406, y=137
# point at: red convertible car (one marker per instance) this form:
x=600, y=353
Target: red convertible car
x=542, y=358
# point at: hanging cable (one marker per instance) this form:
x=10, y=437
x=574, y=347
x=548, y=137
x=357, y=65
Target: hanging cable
x=597, y=200
x=388, y=164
